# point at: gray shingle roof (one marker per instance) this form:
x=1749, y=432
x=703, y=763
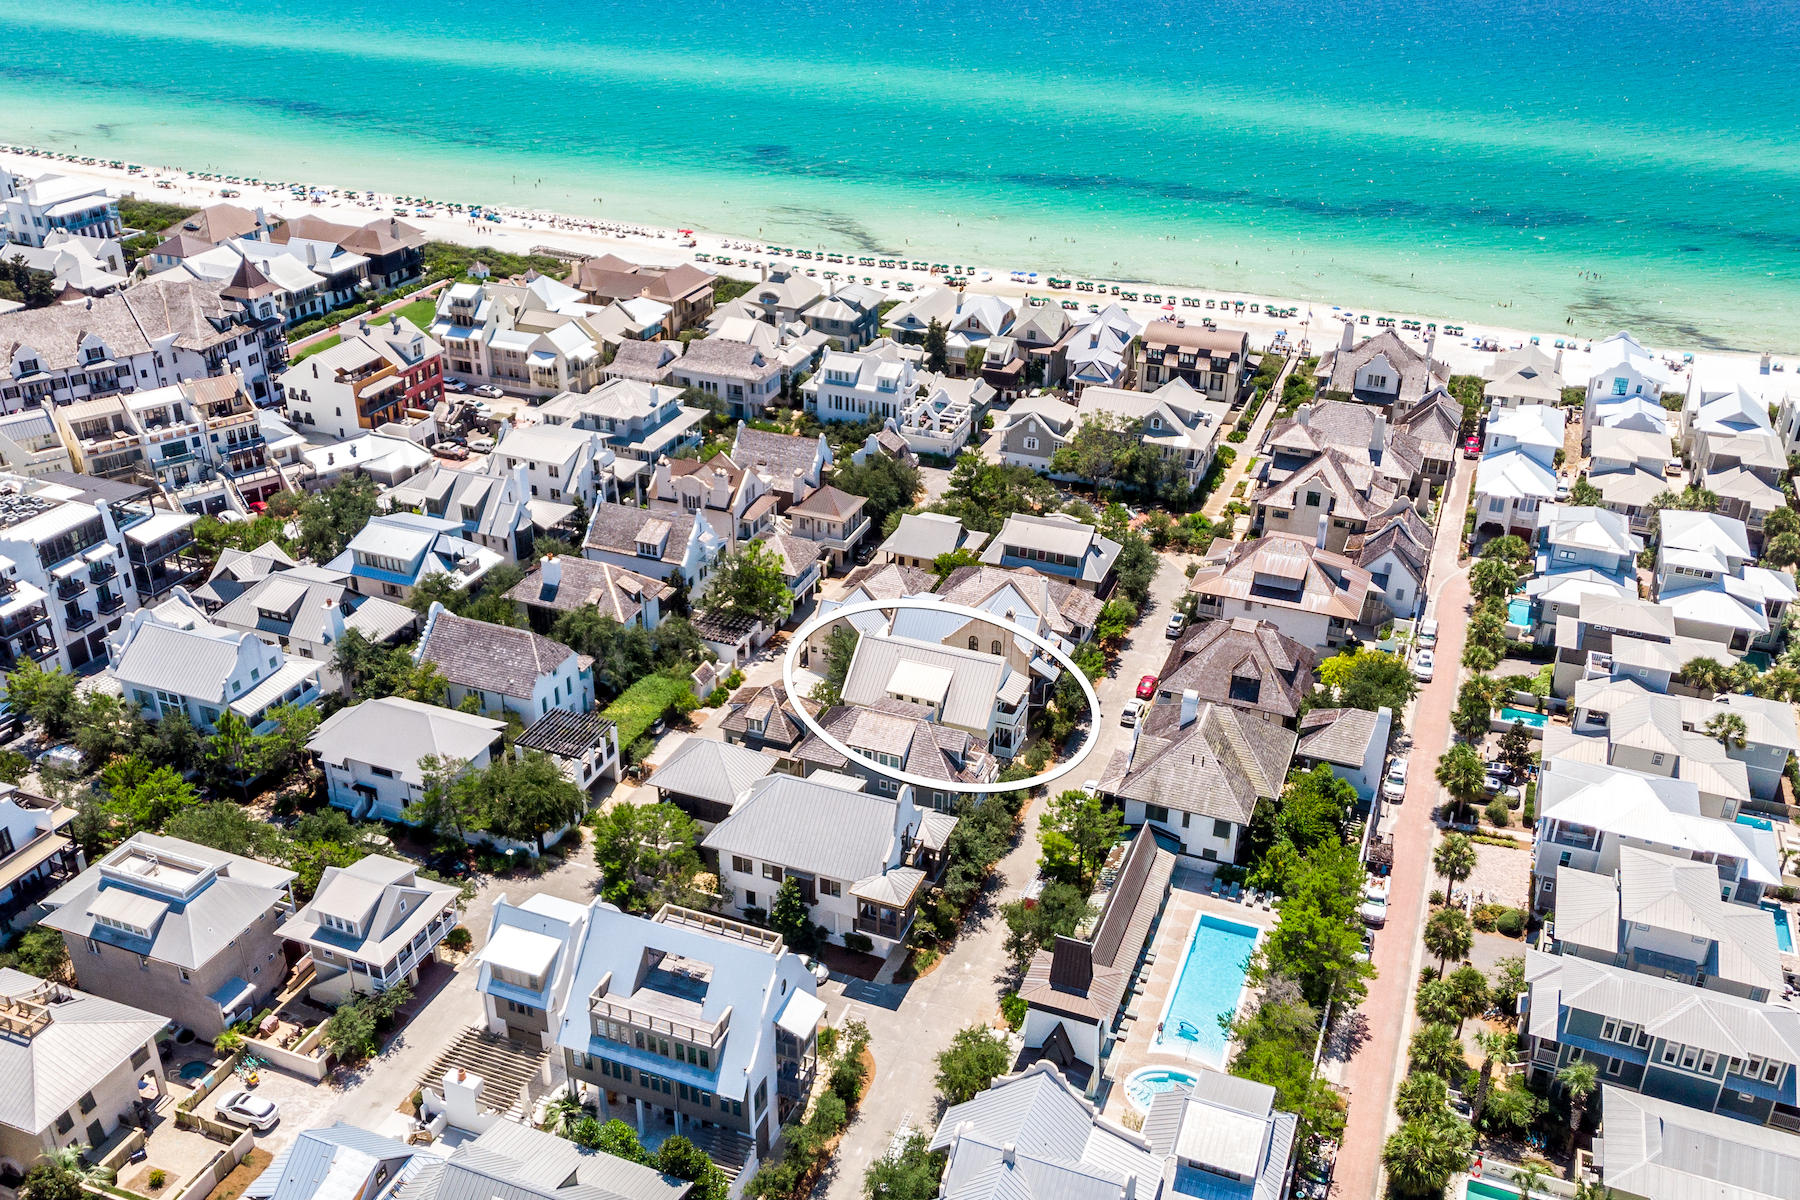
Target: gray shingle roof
x=1337, y=735
x=1243, y=663
x=492, y=658
x=1219, y=765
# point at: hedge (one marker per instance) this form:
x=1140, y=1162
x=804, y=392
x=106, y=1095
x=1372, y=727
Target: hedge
x=645, y=703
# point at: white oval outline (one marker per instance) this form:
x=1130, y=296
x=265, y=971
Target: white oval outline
x=933, y=604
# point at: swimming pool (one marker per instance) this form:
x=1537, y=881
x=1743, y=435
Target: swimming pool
x=1145, y=1084
x=1531, y=720
x=1211, y=982
x=1762, y=823
x=1784, y=936
x=1518, y=612
x=1481, y=1189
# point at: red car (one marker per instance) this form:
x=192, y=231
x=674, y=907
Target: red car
x=1147, y=688
x=1471, y=447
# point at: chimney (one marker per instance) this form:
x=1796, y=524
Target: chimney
x=552, y=572
x=1190, y=707
x=1558, y=367
x=334, y=622
x=522, y=477
x=1348, y=341
x=1378, y=436
x=1009, y=1154
x=799, y=485
x=262, y=222
x=1324, y=524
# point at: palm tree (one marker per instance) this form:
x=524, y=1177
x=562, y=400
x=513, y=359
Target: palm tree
x=1461, y=773
x=1498, y=1049
x=1448, y=935
x=1492, y=577
x=1780, y=682
x=1454, y=858
x=1421, y=1156
x=563, y=1111
x=1704, y=675
x=72, y=1159
x=1468, y=993
x=1578, y=1081
x=1437, y=1049
x=1421, y=1095
x=1528, y=1179
x=1727, y=729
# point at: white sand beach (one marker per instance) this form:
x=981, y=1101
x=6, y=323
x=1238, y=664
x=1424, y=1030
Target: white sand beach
x=1318, y=326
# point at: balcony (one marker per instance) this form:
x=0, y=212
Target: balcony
x=71, y=587
x=24, y=622
x=8, y=585
x=109, y=603
x=103, y=570
x=77, y=618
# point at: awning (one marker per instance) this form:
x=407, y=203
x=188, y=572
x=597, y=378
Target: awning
x=34, y=855
x=101, y=552
x=800, y=1016
x=69, y=569
x=231, y=994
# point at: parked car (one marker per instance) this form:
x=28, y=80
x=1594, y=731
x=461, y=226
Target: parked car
x=1393, y=784
x=1146, y=689
x=481, y=443
x=1177, y=622
x=1471, y=447
x=1131, y=712
x=820, y=972
x=1428, y=633
x=489, y=391
x=246, y=1107
x=451, y=450
x=455, y=385
x=66, y=757
x=1374, y=906
x=1091, y=788
x=1563, y=488
x=1423, y=664
x=1494, y=780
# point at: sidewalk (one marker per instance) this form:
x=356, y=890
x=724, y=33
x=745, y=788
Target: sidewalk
x=1221, y=496
x=1374, y=1070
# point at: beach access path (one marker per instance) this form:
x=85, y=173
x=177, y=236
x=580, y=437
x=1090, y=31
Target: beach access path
x=1379, y=1060
x=1265, y=416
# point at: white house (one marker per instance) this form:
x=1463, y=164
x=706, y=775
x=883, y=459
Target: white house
x=371, y=752
x=371, y=925
x=1621, y=367
x=875, y=383
x=504, y=668
x=396, y=552
x=31, y=210
x=527, y=964
x=563, y=463
x=1517, y=471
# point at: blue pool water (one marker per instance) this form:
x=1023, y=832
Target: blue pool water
x=1210, y=983
x=1143, y=1085
x=1518, y=612
x=1784, y=936
x=1535, y=720
x=1756, y=822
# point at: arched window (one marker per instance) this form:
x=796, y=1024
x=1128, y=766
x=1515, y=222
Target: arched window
x=974, y=642
x=995, y=649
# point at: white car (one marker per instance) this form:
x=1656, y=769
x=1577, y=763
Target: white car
x=1393, y=786
x=1422, y=666
x=1091, y=787
x=489, y=391
x=1177, y=622
x=1428, y=631
x=454, y=385
x=1129, y=715
x=820, y=972
x=244, y=1106
x=481, y=443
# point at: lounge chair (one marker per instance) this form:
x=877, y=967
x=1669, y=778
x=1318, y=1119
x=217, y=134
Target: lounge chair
x=1235, y=888
x=1215, y=887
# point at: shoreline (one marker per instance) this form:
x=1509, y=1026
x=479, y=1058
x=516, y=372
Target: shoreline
x=1316, y=325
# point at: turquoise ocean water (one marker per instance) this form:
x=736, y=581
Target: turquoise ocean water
x=1622, y=164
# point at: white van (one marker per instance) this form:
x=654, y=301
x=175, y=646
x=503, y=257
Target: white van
x=1427, y=634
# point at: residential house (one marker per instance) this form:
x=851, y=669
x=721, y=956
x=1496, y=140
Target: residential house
x=862, y=860
x=908, y=321
x=562, y=463
x=1628, y=466
x=735, y=502
x=1708, y=1050
x=367, y=1165
x=36, y=853
x=1585, y=537
x=1665, y=734
x=980, y=694
x=526, y=966
x=705, y=778
x=1630, y=412
x=492, y=504
x=1041, y=333
x=833, y=519
x=76, y=1061
x=1242, y=663
x=1396, y=552
x=1720, y=410
x=1517, y=472
x=504, y=668
x=379, y=372
x=1333, y=498
x=1707, y=577
x=173, y=659
x=373, y=753
x=534, y=340
x=1029, y=433
x=1057, y=545
x=894, y=734
x=640, y=422
x=1598, y=620
x=1311, y=595
x=1746, y=471
x=386, y=458
x=643, y=362
x=763, y=718
x=1352, y=743
x=740, y=376
x=938, y=420
x=33, y=209
x=160, y=332
x=692, y=1021
x=583, y=745
x=1043, y=604
x=371, y=925
x=850, y=316
x=1211, y=361
x=920, y=538
x=801, y=561
x=1657, y=1150
x=1075, y=987
x=1392, y=459
x=393, y=251
x=1620, y=367
x=267, y=282
x=180, y=929
x=1663, y=916
x=1102, y=350
x=1523, y=376
x=1381, y=370
x=30, y=444
x=77, y=265
x=685, y=289
x=1197, y=772
x=558, y=584
x=1179, y=422
x=790, y=467
x=211, y=226
x=783, y=296
x=872, y=384
x=307, y=610
x=657, y=545
x=396, y=552
x=1434, y=424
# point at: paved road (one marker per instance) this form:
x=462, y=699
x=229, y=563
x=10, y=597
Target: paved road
x=1374, y=1070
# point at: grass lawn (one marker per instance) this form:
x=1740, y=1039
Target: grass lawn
x=324, y=343
x=420, y=312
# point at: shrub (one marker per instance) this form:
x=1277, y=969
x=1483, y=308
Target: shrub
x=1012, y=1007
x=829, y=1114
x=1486, y=916
x=1510, y=923
x=847, y=1079
x=1498, y=814
x=645, y=703
x=158, y=1177
x=828, y=1040
x=459, y=938
x=859, y=942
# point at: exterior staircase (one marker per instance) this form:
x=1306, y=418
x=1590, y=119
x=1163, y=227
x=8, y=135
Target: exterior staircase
x=508, y=1068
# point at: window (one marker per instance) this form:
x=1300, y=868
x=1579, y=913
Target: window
x=1156, y=812
x=830, y=887
x=1221, y=829
x=1031, y=443
x=87, y=1103
x=742, y=865
x=1615, y=1067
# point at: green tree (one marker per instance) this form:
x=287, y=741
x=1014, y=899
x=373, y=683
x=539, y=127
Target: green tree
x=1585, y=494
x=910, y=1173
x=1421, y=1156
x=647, y=854
x=105, y=725
x=446, y=805
x=47, y=697
x=223, y=826
x=527, y=798
x=350, y=1033
x=1275, y=1035
x=563, y=1110
x=1498, y=1049
x=1454, y=858
x=328, y=519
x=1318, y=940
x=1448, y=935
x=974, y=1058
x=888, y=485
x=1076, y=832
x=621, y=1141
x=1461, y=772
x=937, y=347
x=1705, y=675
x=840, y=648
x=973, y=358
x=1421, y=1095
x=681, y=1158
x=41, y=951
x=1060, y=909
x=1468, y=993
x=1577, y=1081
x=748, y=585
x=1492, y=577
x=1515, y=747
x=1437, y=1049
x=1369, y=680
x=1100, y=450
x=1117, y=616
x=48, y=1181
x=790, y=916
x=1475, y=706
x=1511, y=547
x=144, y=797
x=1727, y=729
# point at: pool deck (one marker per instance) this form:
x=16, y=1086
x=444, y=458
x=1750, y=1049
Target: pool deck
x=1135, y=1045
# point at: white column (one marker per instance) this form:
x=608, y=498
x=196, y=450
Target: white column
x=639, y=1101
